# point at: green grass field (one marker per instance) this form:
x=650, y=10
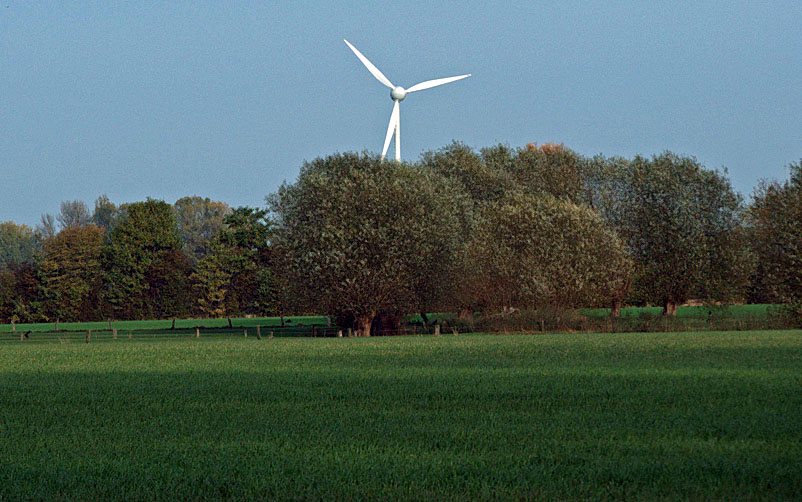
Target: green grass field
x=696, y=312
x=702, y=416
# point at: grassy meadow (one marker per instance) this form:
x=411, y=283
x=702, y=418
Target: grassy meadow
x=675, y=416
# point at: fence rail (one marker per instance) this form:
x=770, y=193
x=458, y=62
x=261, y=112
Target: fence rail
x=527, y=325
x=257, y=331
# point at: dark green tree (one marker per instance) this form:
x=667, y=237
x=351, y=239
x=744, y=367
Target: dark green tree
x=138, y=279
x=775, y=217
x=235, y=276
x=21, y=293
x=683, y=225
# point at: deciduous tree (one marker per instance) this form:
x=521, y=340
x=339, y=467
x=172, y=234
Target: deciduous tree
x=74, y=213
x=199, y=220
x=356, y=230
x=683, y=227
x=543, y=251
x=140, y=245
x=18, y=243
x=775, y=217
x=72, y=274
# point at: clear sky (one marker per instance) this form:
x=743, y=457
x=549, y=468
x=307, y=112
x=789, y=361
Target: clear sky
x=227, y=99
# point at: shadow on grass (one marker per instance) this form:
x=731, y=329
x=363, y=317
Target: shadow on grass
x=316, y=428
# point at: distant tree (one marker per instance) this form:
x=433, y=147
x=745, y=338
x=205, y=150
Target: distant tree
x=235, y=276
x=71, y=272
x=169, y=289
x=20, y=293
x=46, y=228
x=141, y=245
x=73, y=214
x=460, y=163
x=547, y=169
x=775, y=217
x=502, y=179
x=474, y=187
x=199, y=221
x=8, y=294
x=246, y=239
x=543, y=251
x=683, y=224
x=355, y=230
x=105, y=212
x=212, y=281
x=18, y=243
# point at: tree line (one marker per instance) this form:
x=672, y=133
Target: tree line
x=461, y=230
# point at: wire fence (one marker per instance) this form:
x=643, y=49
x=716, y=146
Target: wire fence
x=527, y=324
x=258, y=332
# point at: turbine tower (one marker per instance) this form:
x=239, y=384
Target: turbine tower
x=397, y=94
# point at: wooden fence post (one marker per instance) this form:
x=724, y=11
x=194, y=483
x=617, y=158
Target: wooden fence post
x=197, y=332
x=21, y=336
x=271, y=335
x=436, y=330
x=350, y=332
x=258, y=332
x=56, y=323
x=339, y=333
x=109, y=323
x=314, y=331
x=114, y=330
x=88, y=335
x=130, y=334
x=13, y=326
x=245, y=332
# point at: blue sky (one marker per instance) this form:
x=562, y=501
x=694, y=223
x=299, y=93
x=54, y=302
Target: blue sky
x=226, y=100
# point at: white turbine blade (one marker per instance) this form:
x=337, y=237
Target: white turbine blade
x=390, y=128
x=398, y=133
x=434, y=83
x=372, y=69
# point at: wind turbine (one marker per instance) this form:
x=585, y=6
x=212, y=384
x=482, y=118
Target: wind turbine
x=397, y=94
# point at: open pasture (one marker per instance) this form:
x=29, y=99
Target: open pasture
x=713, y=416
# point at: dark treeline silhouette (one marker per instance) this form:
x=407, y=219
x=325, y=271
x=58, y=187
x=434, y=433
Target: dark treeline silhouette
x=367, y=241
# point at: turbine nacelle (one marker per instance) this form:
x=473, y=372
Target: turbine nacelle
x=398, y=93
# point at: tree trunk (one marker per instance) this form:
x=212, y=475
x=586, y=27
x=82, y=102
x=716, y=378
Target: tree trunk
x=615, y=310
x=669, y=308
x=425, y=318
x=363, y=325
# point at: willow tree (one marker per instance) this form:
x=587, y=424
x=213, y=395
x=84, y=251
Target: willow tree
x=360, y=236
x=544, y=251
x=776, y=227
x=683, y=224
